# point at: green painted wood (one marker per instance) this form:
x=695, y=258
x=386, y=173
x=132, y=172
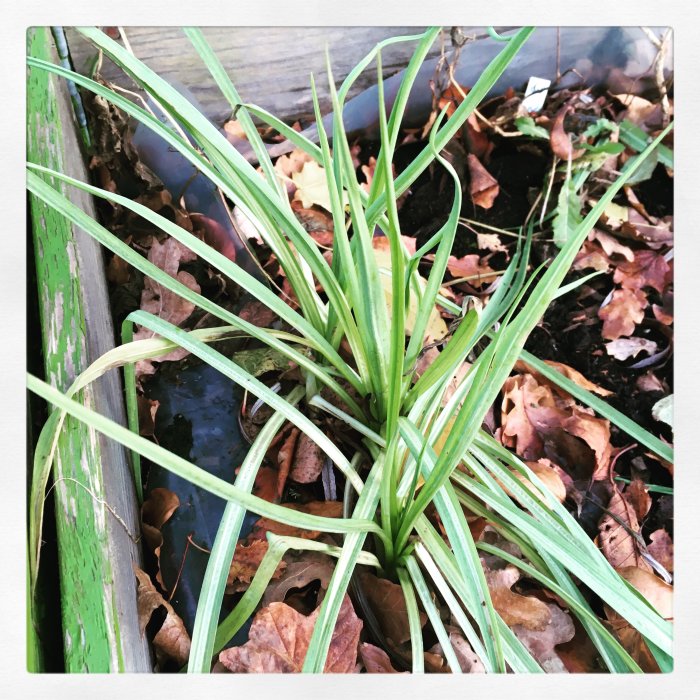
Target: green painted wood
x=98, y=588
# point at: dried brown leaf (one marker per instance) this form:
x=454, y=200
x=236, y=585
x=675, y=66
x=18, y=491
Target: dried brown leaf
x=376, y=660
x=301, y=569
x=616, y=540
x=515, y=609
x=246, y=560
x=284, y=459
x=483, y=187
x=648, y=269
x=660, y=595
x=624, y=348
x=541, y=643
x=308, y=461
x=279, y=639
x=171, y=641
x=622, y=314
x=389, y=606
x=661, y=548
x=559, y=140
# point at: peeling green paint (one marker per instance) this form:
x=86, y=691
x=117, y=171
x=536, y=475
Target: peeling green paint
x=88, y=599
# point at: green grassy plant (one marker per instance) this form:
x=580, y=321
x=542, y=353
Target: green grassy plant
x=412, y=442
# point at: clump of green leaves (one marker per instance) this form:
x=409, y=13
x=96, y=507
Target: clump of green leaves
x=418, y=448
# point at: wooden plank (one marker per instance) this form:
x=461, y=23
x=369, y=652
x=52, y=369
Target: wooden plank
x=251, y=55
x=98, y=588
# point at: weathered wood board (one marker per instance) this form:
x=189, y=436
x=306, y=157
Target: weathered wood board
x=270, y=66
x=98, y=587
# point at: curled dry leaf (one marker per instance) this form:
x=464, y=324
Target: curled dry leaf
x=301, y=569
x=622, y=314
x=541, y=643
x=624, y=348
x=163, y=303
x=490, y=241
x=569, y=372
x=389, y=606
x=515, y=609
x=637, y=495
x=612, y=246
x=538, y=423
x=660, y=596
x=616, y=538
x=376, y=660
x=155, y=512
x=279, y=639
x=171, y=641
x=483, y=187
x=284, y=459
x=246, y=560
x=661, y=548
x=559, y=140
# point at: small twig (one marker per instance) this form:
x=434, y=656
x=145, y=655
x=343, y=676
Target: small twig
x=101, y=501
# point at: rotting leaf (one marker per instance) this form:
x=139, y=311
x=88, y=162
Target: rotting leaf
x=616, y=538
x=171, y=641
x=389, y=606
x=541, y=643
x=624, y=348
x=661, y=548
x=279, y=639
x=301, y=569
x=308, y=461
x=376, y=660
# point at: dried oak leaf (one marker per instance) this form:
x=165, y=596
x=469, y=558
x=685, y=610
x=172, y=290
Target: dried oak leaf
x=539, y=423
x=648, y=269
x=279, y=639
x=483, y=187
x=660, y=596
x=616, y=526
x=541, y=643
x=389, y=606
x=246, y=560
x=171, y=641
x=612, y=246
x=376, y=660
x=515, y=609
x=661, y=548
x=301, y=569
x=622, y=314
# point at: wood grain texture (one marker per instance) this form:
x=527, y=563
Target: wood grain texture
x=98, y=588
x=270, y=66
